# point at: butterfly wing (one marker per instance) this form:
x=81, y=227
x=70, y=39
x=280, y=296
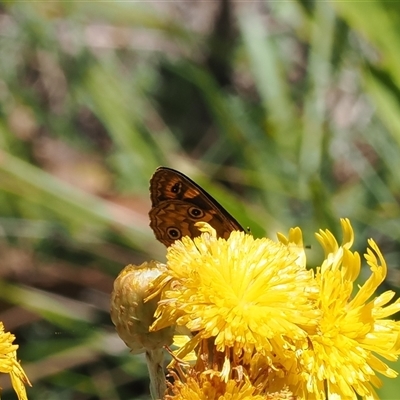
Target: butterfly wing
x=178, y=203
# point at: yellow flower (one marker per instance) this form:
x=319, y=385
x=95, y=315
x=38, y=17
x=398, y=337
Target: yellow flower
x=10, y=365
x=207, y=386
x=246, y=294
x=263, y=325
x=340, y=358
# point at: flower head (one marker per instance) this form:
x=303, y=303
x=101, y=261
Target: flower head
x=208, y=386
x=131, y=315
x=247, y=294
x=10, y=365
x=351, y=330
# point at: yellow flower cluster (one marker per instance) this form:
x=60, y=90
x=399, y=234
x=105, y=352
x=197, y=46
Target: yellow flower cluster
x=264, y=327
x=10, y=365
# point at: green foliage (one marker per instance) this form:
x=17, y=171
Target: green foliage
x=287, y=112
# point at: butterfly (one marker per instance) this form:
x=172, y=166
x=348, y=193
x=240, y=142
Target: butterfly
x=177, y=203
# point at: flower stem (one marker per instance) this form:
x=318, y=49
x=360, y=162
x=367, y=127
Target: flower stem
x=154, y=360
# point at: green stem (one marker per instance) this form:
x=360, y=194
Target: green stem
x=154, y=360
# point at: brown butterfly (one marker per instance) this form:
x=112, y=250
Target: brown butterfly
x=178, y=203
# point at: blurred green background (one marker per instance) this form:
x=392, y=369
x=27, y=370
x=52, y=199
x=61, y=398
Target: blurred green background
x=287, y=112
